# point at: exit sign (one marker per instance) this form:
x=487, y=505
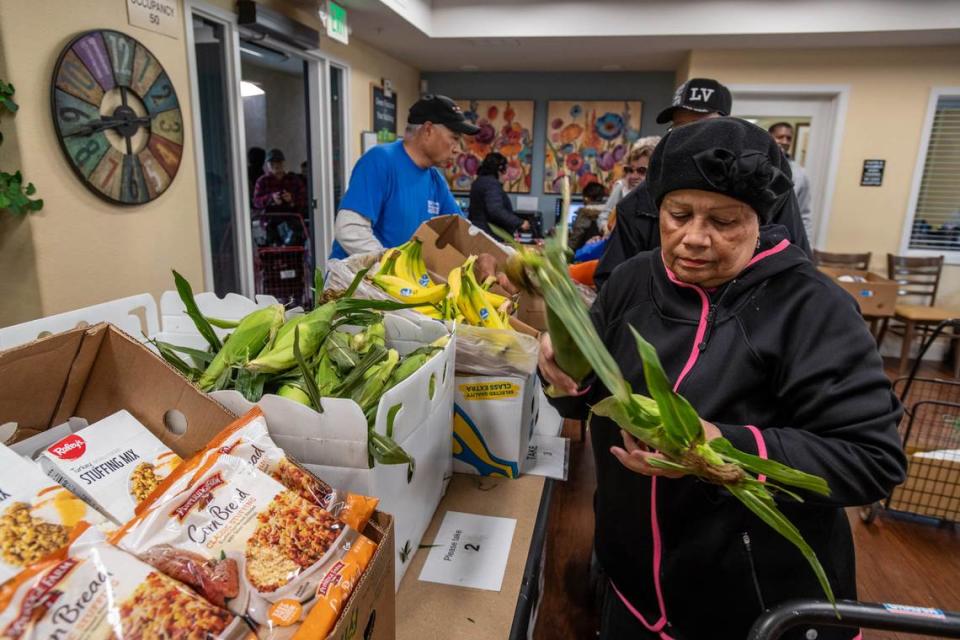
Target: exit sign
x=337, y=22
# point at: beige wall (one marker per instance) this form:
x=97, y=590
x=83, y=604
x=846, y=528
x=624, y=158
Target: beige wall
x=889, y=93
x=367, y=65
x=80, y=250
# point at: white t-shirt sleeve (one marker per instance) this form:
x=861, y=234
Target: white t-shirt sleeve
x=355, y=233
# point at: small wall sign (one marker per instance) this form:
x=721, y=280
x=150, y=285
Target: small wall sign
x=872, y=175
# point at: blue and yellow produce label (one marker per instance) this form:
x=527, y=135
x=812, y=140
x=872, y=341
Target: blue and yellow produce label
x=470, y=448
x=496, y=390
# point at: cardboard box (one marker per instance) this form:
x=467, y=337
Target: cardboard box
x=876, y=295
x=493, y=420
x=932, y=487
x=94, y=372
x=449, y=240
x=333, y=444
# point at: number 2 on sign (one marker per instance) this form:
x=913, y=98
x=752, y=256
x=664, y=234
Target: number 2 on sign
x=471, y=547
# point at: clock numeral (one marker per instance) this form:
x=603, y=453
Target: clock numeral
x=170, y=126
x=164, y=92
x=69, y=114
x=87, y=151
x=76, y=74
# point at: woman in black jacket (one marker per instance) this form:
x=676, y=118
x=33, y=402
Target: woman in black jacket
x=489, y=203
x=774, y=357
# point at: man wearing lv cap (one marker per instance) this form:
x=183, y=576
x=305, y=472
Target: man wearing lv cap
x=638, y=226
x=395, y=187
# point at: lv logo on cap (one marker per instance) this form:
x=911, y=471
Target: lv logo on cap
x=701, y=94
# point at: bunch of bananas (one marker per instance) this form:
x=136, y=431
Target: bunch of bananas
x=403, y=275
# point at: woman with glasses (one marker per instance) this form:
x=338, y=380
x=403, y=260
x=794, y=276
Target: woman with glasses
x=634, y=172
x=489, y=203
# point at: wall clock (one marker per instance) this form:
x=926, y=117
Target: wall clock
x=117, y=117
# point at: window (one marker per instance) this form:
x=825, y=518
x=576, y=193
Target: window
x=935, y=223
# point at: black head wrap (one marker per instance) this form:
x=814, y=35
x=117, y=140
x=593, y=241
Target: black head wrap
x=724, y=155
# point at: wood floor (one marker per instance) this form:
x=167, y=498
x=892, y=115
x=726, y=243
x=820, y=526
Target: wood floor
x=898, y=560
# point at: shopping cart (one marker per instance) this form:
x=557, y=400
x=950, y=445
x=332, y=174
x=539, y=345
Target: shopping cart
x=856, y=615
x=930, y=432
x=282, y=258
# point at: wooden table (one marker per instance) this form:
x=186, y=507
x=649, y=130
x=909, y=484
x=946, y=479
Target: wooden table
x=915, y=317
x=431, y=611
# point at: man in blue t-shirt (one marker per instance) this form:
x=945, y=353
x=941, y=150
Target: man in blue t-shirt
x=397, y=186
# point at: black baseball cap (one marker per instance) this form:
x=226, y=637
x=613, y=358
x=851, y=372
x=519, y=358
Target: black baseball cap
x=703, y=95
x=441, y=110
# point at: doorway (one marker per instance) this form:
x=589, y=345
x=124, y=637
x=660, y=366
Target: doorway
x=817, y=114
x=274, y=87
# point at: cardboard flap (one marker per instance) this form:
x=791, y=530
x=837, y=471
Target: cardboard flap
x=33, y=378
x=126, y=375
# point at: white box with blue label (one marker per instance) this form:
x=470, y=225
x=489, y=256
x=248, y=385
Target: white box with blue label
x=493, y=418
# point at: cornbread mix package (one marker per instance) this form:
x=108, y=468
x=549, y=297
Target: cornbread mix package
x=113, y=464
x=37, y=515
x=93, y=372
x=248, y=439
x=493, y=418
x=245, y=541
x=95, y=590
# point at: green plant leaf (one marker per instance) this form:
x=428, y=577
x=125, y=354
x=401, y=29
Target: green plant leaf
x=193, y=311
x=169, y=354
x=680, y=421
x=310, y=385
x=612, y=408
x=200, y=357
x=765, y=509
x=780, y=473
x=357, y=279
x=223, y=324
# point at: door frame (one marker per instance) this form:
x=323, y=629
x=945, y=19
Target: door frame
x=837, y=96
x=321, y=153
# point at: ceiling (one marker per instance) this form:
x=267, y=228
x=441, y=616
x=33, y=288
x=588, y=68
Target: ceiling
x=641, y=35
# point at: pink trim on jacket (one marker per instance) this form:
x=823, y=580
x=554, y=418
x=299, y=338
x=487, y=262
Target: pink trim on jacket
x=777, y=248
x=658, y=626
x=761, y=447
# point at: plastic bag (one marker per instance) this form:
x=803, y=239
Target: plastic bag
x=480, y=351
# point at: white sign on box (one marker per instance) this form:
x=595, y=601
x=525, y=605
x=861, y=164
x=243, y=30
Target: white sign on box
x=547, y=456
x=470, y=551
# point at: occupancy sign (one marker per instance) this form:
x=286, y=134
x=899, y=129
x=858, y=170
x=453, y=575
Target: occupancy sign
x=470, y=551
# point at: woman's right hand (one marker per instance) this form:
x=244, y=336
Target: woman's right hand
x=551, y=371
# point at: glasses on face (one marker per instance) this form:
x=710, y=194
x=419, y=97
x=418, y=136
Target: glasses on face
x=640, y=171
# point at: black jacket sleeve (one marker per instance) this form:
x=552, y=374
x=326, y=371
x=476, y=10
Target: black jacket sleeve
x=499, y=210
x=637, y=229
x=789, y=216
x=839, y=416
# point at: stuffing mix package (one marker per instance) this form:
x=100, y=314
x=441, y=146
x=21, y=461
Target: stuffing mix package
x=37, y=515
x=96, y=591
x=243, y=539
x=249, y=439
x=113, y=464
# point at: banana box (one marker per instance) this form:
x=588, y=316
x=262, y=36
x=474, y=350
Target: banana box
x=493, y=419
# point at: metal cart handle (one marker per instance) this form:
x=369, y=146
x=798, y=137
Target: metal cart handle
x=891, y=617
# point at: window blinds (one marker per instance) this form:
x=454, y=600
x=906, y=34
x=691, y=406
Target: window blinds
x=936, y=222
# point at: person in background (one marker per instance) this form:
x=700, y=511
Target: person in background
x=256, y=160
x=394, y=187
x=634, y=171
x=587, y=224
x=774, y=357
x=277, y=190
x=637, y=227
x=489, y=203
x=782, y=133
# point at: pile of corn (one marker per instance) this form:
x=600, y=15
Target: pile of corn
x=305, y=358
x=403, y=275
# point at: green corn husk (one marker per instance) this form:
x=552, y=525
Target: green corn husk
x=312, y=328
x=295, y=393
x=368, y=394
x=666, y=422
x=248, y=339
x=338, y=348
x=326, y=375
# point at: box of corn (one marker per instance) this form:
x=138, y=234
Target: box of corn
x=358, y=393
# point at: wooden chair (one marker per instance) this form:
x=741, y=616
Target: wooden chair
x=918, y=280
x=859, y=261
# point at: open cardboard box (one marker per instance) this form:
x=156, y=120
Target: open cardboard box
x=94, y=372
x=334, y=444
x=449, y=240
x=876, y=295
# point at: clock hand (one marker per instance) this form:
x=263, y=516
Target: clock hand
x=108, y=122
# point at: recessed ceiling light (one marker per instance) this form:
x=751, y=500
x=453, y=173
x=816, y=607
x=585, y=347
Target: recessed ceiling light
x=469, y=67
x=248, y=89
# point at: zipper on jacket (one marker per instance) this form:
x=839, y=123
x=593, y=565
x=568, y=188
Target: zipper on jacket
x=712, y=316
x=753, y=569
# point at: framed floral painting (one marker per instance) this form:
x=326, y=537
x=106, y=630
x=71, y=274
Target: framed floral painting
x=506, y=126
x=588, y=140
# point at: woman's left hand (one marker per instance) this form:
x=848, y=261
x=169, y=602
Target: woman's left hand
x=635, y=455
